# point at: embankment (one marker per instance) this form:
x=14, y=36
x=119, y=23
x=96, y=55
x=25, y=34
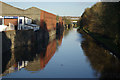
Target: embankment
x=13, y=39
x=101, y=21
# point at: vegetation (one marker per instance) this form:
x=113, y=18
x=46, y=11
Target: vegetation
x=57, y=17
x=67, y=20
x=101, y=21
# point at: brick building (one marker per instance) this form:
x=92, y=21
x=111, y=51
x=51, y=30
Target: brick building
x=47, y=20
x=44, y=19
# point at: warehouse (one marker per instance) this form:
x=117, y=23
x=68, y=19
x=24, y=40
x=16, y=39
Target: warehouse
x=45, y=19
x=39, y=17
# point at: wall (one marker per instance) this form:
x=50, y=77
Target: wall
x=33, y=13
x=47, y=20
x=13, y=21
x=13, y=39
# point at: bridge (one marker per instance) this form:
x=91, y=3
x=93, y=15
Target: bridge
x=74, y=20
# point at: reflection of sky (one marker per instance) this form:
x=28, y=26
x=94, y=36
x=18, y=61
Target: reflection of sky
x=58, y=8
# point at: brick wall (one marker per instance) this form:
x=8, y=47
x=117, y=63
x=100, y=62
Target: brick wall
x=13, y=21
x=47, y=20
x=13, y=39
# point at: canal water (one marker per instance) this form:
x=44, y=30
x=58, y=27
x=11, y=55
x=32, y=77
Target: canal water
x=70, y=55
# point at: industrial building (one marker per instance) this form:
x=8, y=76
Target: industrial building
x=17, y=16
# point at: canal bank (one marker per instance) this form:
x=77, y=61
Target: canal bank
x=17, y=38
x=13, y=39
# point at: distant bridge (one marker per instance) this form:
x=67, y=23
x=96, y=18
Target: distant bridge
x=73, y=19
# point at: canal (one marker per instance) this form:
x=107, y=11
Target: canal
x=71, y=55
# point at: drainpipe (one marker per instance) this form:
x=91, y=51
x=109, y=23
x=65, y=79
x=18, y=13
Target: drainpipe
x=18, y=24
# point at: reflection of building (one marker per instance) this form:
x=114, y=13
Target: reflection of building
x=43, y=59
x=60, y=40
x=16, y=66
x=32, y=58
x=50, y=51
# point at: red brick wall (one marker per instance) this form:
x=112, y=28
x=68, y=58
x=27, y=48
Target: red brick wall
x=49, y=19
x=13, y=21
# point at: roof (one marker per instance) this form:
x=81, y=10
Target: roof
x=10, y=5
x=33, y=8
x=17, y=11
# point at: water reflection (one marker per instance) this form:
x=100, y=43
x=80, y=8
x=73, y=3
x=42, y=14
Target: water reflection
x=31, y=58
x=101, y=60
x=62, y=58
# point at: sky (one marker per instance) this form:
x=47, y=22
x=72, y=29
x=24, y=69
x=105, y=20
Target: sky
x=57, y=8
x=50, y=0
x=59, y=0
